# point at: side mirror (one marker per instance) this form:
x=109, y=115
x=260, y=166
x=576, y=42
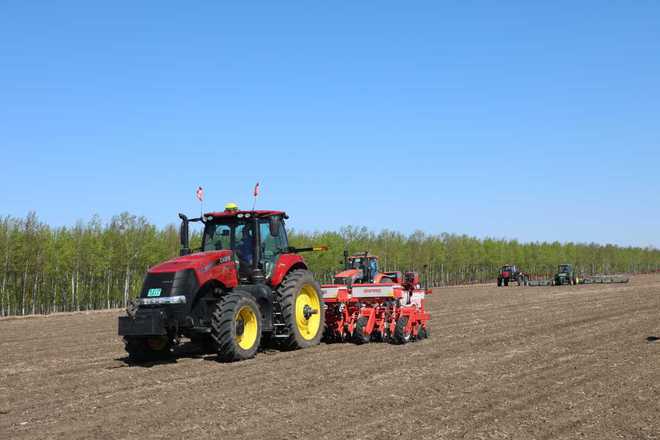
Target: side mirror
x=183, y=235
x=274, y=226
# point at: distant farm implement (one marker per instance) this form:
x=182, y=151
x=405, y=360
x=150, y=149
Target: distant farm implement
x=567, y=275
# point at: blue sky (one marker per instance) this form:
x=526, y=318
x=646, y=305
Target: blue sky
x=528, y=120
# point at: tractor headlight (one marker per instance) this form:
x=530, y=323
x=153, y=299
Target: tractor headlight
x=162, y=300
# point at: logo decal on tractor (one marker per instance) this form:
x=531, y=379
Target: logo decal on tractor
x=154, y=291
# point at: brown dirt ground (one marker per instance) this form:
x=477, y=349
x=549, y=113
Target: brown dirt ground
x=507, y=363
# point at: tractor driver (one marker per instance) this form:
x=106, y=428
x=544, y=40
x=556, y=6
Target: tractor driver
x=245, y=249
x=373, y=269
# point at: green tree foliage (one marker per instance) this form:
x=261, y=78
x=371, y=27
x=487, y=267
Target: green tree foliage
x=96, y=265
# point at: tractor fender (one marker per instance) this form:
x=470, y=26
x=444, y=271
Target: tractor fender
x=285, y=264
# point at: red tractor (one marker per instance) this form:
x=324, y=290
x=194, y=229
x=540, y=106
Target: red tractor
x=365, y=304
x=363, y=268
x=511, y=273
x=243, y=286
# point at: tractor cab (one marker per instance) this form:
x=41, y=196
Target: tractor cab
x=508, y=269
x=367, y=264
x=255, y=239
x=565, y=268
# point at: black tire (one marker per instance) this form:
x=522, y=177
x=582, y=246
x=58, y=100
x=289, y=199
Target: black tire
x=499, y=282
x=228, y=327
x=400, y=335
x=300, y=282
x=142, y=348
x=506, y=282
x=359, y=337
x=422, y=333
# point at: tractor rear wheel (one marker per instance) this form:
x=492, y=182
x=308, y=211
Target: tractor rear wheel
x=153, y=348
x=359, y=336
x=236, y=327
x=301, y=308
x=401, y=336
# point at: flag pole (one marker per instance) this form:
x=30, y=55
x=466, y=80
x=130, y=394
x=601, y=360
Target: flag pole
x=255, y=193
x=200, y=196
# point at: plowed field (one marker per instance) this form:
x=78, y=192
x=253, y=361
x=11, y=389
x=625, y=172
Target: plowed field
x=518, y=363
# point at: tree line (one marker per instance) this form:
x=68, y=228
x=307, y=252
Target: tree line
x=99, y=265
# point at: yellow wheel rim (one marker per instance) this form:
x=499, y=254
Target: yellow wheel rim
x=248, y=318
x=308, y=312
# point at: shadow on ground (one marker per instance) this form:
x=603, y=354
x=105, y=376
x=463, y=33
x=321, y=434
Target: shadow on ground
x=187, y=350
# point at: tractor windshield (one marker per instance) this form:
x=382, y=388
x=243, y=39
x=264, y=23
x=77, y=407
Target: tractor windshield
x=234, y=235
x=564, y=268
x=356, y=263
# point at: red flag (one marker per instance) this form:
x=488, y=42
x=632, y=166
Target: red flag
x=200, y=194
x=256, y=189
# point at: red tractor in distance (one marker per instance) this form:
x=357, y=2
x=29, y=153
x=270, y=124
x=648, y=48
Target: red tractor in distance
x=511, y=273
x=243, y=286
x=363, y=268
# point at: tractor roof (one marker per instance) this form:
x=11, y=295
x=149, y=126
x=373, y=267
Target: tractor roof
x=240, y=214
x=363, y=256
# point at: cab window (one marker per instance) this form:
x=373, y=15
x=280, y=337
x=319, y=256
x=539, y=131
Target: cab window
x=271, y=247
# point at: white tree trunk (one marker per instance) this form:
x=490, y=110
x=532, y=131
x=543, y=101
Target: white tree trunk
x=4, y=283
x=126, y=282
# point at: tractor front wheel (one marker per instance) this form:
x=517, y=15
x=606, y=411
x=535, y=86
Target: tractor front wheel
x=301, y=309
x=236, y=327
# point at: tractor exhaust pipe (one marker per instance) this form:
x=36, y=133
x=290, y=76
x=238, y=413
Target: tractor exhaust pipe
x=183, y=235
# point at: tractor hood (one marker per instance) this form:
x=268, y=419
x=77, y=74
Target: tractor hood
x=348, y=276
x=196, y=261
x=350, y=273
